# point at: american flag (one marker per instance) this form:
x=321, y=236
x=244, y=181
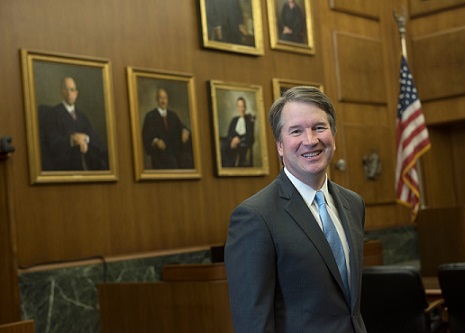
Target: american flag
x=412, y=141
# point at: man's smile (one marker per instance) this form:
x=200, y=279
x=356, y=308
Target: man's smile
x=310, y=155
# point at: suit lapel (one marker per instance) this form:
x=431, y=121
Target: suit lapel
x=301, y=214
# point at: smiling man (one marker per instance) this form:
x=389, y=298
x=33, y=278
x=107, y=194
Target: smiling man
x=294, y=250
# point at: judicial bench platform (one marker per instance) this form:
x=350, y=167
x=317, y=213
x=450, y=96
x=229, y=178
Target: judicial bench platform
x=191, y=298
x=25, y=326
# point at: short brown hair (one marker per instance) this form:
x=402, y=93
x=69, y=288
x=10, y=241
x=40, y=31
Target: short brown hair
x=300, y=94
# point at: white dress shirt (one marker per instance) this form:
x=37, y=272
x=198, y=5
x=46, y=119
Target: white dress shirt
x=308, y=194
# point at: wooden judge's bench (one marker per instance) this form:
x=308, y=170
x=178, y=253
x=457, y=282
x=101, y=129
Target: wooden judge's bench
x=191, y=298
x=441, y=237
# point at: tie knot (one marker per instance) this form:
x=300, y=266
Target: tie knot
x=320, y=198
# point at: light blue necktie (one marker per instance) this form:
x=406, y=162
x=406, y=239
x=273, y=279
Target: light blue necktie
x=333, y=238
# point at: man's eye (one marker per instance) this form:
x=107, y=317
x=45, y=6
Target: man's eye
x=320, y=128
x=296, y=131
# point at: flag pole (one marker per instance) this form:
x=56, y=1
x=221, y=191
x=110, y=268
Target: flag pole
x=400, y=20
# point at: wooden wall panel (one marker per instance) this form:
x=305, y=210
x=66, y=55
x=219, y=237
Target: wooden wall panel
x=437, y=48
x=439, y=64
x=444, y=111
x=9, y=301
x=369, y=115
x=458, y=153
x=379, y=216
x=360, y=70
x=438, y=170
x=370, y=9
x=369, y=138
x=425, y=7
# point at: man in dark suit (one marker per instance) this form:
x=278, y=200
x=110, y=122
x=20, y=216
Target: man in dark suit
x=165, y=138
x=292, y=22
x=282, y=274
x=68, y=141
x=225, y=21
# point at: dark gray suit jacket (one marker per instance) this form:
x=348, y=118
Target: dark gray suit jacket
x=282, y=275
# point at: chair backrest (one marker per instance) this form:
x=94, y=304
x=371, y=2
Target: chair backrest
x=452, y=281
x=393, y=300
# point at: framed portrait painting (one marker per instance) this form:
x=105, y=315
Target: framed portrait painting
x=232, y=25
x=281, y=85
x=239, y=129
x=164, y=124
x=291, y=25
x=70, y=118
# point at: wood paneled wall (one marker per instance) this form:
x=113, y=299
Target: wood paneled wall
x=357, y=60
x=437, y=33
x=66, y=221
x=9, y=301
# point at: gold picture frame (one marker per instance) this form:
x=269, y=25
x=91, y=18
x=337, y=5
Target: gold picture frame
x=281, y=85
x=179, y=155
x=60, y=149
x=232, y=25
x=248, y=154
x=291, y=29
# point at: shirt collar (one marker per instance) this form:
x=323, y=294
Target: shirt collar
x=307, y=192
x=162, y=112
x=69, y=108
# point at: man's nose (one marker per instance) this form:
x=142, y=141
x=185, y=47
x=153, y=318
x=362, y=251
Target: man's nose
x=311, y=137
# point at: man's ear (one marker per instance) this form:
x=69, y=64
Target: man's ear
x=279, y=147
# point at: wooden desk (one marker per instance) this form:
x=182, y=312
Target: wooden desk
x=194, y=272
x=26, y=326
x=372, y=253
x=193, y=301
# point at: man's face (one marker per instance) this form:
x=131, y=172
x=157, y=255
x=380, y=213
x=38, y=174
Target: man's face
x=69, y=91
x=240, y=107
x=307, y=145
x=162, y=99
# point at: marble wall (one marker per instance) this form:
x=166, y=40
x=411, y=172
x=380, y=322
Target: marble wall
x=66, y=299
x=399, y=244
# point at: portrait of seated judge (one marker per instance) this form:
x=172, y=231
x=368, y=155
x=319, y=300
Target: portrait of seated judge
x=166, y=135
x=237, y=146
x=230, y=21
x=238, y=125
x=68, y=139
x=291, y=21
